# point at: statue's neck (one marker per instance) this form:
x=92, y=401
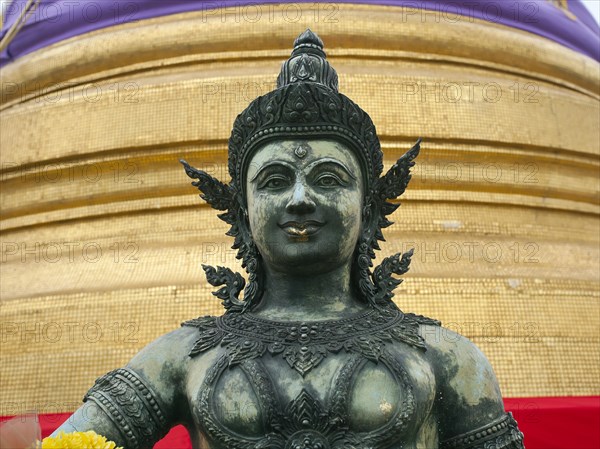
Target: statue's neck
x=314, y=297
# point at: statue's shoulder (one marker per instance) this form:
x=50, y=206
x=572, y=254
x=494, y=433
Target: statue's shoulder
x=444, y=344
x=454, y=354
x=468, y=392
x=164, y=363
x=165, y=360
x=458, y=361
x=206, y=334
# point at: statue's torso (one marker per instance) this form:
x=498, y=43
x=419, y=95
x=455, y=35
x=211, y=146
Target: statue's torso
x=358, y=383
x=379, y=380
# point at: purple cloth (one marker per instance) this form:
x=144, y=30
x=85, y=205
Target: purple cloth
x=56, y=20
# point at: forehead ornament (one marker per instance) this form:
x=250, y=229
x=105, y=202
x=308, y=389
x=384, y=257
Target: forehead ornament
x=301, y=151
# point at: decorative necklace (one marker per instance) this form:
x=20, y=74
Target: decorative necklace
x=303, y=345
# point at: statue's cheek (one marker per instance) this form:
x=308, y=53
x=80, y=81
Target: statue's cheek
x=348, y=205
x=261, y=210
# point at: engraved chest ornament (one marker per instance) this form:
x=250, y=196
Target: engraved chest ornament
x=306, y=422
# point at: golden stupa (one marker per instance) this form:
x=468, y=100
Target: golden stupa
x=103, y=238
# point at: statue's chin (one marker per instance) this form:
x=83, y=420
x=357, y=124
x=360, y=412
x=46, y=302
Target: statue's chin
x=303, y=258
x=307, y=253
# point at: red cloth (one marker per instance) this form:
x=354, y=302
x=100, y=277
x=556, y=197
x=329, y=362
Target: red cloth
x=548, y=423
x=559, y=422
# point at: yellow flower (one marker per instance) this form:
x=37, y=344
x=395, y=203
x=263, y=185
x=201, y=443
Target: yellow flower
x=78, y=440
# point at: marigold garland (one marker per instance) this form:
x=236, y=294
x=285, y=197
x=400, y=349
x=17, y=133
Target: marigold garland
x=78, y=440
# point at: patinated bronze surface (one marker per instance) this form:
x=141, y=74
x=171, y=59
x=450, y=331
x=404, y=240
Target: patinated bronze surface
x=315, y=355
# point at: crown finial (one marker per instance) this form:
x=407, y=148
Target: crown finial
x=308, y=63
x=308, y=42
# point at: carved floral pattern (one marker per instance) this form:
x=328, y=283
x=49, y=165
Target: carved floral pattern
x=500, y=434
x=303, y=345
x=305, y=422
x=131, y=405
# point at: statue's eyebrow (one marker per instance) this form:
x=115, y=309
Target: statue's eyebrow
x=327, y=160
x=272, y=164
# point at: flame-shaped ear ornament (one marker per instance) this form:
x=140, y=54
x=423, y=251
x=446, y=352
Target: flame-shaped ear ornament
x=394, y=182
x=389, y=187
x=216, y=193
x=221, y=197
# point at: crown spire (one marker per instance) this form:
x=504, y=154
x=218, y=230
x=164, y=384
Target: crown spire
x=308, y=63
x=308, y=42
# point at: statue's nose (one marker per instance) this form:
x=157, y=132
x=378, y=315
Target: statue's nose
x=300, y=202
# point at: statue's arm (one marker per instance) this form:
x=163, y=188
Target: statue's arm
x=137, y=405
x=469, y=406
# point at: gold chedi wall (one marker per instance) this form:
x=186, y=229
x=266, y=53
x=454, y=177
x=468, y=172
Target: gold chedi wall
x=103, y=237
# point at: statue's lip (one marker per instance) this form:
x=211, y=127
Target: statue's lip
x=301, y=228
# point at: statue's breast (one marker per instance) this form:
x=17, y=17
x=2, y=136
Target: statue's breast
x=362, y=383
x=347, y=399
x=376, y=395
x=367, y=400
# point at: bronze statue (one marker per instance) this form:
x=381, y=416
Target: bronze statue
x=316, y=355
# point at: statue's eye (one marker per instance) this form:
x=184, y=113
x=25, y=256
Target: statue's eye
x=275, y=182
x=329, y=180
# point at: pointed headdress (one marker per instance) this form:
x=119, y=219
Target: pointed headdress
x=307, y=105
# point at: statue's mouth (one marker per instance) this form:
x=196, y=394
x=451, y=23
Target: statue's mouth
x=301, y=229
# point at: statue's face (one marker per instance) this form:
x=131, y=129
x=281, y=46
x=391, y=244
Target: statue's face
x=304, y=204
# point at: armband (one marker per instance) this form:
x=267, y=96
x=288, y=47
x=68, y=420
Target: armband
x=131, y=405
x=502, y=433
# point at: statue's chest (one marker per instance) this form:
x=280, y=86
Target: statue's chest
x=367, y=390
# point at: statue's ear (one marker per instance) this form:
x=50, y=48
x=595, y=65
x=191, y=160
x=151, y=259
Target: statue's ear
x=219, y=195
